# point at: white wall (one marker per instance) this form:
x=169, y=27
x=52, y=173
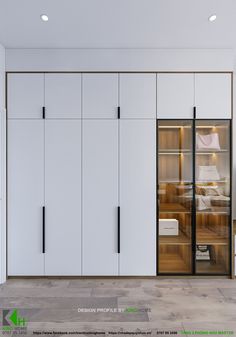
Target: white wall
x=2, y=168
x=119, y=59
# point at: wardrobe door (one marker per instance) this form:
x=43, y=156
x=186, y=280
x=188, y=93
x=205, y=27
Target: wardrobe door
x=213, y=96
x=62, y=197
x=25, y=197
x=100, y=197
x=138, y=95
x=100, y=95
x=213, y=196
x=175, y=196
x=25, y=95
x=137, y=197
x=175, y=96
x=63, y=96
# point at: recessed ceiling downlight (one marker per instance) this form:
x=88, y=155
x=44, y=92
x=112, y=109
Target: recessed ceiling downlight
x=44, y=17
x=212, y=18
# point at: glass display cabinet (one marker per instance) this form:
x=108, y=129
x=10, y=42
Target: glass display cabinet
x=194, y=196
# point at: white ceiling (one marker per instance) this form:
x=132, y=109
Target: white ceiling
x=118, y=24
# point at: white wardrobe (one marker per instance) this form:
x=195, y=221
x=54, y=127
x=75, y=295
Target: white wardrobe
x=81, y=166
x=81, y=174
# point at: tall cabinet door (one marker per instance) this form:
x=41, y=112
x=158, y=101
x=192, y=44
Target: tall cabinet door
x=175, y=96
x=213, y=96
x=63, y=96
x=25, y=197
x=100, y=197
x=62, y=197
x=137, y=197
x=213, y=197
x=25, y=95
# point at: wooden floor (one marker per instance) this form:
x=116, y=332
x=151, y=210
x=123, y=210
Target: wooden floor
x=160, y=304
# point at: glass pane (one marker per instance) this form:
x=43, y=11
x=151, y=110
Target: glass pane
x=175, y=195
x=212, y=196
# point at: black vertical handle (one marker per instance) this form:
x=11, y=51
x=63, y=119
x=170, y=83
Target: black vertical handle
x=43, y=246
x=194, y=112
x=118, y=229
x=118, y=112
x=43, y=112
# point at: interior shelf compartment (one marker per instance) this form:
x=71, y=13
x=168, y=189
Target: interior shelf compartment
x=172, y=208
x=205, y=267
x=206, y=236
x=179, y=239
x=175, y=259
x=219, y=264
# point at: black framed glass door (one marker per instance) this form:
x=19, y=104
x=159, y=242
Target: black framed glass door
x=194, y=197
x=213, y=196
x=175, y=195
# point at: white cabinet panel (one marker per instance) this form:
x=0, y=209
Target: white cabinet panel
x=138, y=197
x=63, y=95
x=62, y=197
x=138, y=95
x=25, y=197
x=100, y=197
x=175, y=96
x=25, y=95
x=213, y=96
x=100, y=95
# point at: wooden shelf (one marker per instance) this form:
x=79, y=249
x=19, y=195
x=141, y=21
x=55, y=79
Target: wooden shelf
x=211, y=151
x=210, y=181
x=175, y=181
x=172, y=208
x=180, y=239
x=174, y=151
x=172, y=263
x=215, y=210
x=208, y=237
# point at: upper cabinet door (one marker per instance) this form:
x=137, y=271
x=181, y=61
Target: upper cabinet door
x=138, y=96
x=213, y=96
x=25, y=96
x=175, y=96
x=100, y=96
x=63, y=96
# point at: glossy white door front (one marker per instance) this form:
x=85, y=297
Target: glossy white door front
x=100, y=197
x=25, y=197
x=213, y=96
x=137, y=96
x=100, y=96
x=25, y=95
x=175, y=96
x=138, y=197
x=63, y=96
x=63, y=197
